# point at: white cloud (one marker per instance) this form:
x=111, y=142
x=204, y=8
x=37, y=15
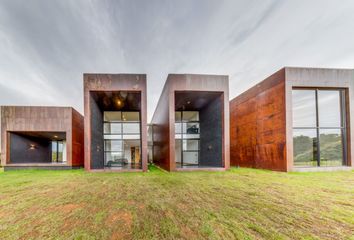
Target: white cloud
x=47, y=45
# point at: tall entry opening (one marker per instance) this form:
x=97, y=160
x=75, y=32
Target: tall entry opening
x=116, y=130
x=198, y=129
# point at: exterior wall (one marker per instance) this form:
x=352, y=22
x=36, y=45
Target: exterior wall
x=164, y=116
x=261, y=118
x=161, y=131
x=42, y=119
x=113, y=82
x=258, y=125
x=321, y=78
x=77, y=139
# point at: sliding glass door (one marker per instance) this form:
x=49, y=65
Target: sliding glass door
x=187, y=138
x=319, y=127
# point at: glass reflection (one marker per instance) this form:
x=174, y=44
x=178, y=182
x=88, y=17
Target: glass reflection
x=305, y=147
x=331, y=147
x=304, y=108
x=329, y=108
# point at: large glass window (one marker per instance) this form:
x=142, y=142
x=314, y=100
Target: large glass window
x=122, y=144
x=319, y=129
x=187, y=135
x=58, y=151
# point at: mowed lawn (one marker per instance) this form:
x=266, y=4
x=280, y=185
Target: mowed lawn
x=237, y=204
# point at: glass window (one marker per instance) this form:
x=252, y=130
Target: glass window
x=329, y=108
x=178, y=151
x=331, y=147
x=305, y=147
x=113, y=145
x=178, y=116
x=191, y=128
x=131, y=128
x=178, y=128
x=131, y=116
x=112, y=136
x=114, y=156
x=318, y=129
x=304, y=108
x=190, y=158
x=131, y=136
x=190, y=145
x=112, y=116
x=112, y=128
x=190, y=116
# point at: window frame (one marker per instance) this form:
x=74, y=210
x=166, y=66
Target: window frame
x=343, y=126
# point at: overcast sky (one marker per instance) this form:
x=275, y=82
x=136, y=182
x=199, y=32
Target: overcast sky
x=46, y=46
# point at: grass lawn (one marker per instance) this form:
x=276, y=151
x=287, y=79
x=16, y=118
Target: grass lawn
x=237, y=204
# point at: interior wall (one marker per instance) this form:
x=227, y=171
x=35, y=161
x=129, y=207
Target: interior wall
x=20, y=151
x=97, y=146
x=211, y=134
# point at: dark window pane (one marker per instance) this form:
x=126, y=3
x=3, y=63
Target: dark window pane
x=329, y=108
x=304, y=108
x=331, y=147
x=305, y=149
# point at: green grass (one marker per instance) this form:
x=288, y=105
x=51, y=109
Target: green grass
x=237, y=204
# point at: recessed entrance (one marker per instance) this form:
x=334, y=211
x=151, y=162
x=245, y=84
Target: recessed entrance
x=198, y=129
x=37, y=147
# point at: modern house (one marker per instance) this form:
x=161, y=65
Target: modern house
x=41, y=137
x=298, y=119
x=115, y=122
x=190, y=126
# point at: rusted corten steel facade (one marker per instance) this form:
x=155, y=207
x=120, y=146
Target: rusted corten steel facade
x=101, y=83
x=32, y=121
x=261, y=119
x=178, y=89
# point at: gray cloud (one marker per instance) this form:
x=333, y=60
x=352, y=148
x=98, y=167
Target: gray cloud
x=46, y=46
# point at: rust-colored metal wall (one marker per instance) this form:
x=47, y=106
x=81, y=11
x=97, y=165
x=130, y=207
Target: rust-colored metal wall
x=261, y=118
x=164, y=117
x=43, y=119
x=114, y=82
x=257, y=125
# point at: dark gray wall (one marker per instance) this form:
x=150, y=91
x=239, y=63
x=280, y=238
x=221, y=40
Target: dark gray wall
x=210, y=118
x=97, y=151
x=20, y=151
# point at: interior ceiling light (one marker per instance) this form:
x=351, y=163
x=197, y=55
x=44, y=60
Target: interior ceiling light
x=189, y=102
x=55, y=136
x=32, y=146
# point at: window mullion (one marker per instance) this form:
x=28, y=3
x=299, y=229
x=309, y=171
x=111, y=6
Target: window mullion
x=318, y=130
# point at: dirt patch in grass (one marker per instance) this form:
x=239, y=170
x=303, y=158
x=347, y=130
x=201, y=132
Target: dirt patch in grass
x=121, y=222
